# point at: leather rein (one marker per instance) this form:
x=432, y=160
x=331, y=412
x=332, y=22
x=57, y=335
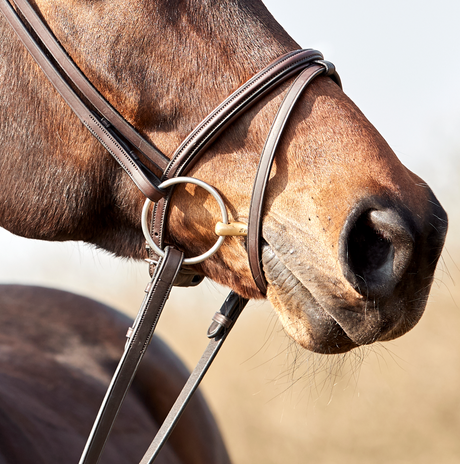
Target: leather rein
x=125, y=144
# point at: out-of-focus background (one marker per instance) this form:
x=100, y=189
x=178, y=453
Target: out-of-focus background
x=397, y=402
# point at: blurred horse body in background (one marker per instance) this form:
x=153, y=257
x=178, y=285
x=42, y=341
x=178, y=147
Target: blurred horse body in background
x=58, y=352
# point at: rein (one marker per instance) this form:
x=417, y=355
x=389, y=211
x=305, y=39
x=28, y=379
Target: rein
x=125, y=144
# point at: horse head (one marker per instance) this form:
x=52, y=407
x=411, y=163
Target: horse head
x=351, y=237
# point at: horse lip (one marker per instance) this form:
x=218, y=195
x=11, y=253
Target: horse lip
x=355, y=325
x=339, y=340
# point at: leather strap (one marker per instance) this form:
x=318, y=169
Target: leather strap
x=87, y=89
x=230, y=310
x=139, y=338
x=265, y=165
x=100, y=125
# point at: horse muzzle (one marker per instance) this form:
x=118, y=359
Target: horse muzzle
x=378, y=288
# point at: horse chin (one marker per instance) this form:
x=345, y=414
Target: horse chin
x=324, y=321
x=300, y=313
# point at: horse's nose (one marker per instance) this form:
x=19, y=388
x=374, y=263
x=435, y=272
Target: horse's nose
x=376, y=248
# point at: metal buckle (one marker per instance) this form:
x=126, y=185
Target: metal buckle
x=185, y=180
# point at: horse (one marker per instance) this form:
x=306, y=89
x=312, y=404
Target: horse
x=351, y=237
x=57, y=356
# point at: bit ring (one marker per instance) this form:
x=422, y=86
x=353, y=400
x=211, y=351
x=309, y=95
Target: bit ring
x=185, y=180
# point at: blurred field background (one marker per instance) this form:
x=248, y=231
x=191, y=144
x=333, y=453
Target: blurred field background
x=397, y=402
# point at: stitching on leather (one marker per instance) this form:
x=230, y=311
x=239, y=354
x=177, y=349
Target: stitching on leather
x=112, y=140
x=218, y=111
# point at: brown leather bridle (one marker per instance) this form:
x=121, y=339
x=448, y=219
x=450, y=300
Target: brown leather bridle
x=125, y=144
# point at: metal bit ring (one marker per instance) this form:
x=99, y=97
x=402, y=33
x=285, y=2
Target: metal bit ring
x=185, y=180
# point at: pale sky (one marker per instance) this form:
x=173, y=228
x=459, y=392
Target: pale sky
x=399, y=62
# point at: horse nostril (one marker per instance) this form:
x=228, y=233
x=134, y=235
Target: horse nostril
x=376, y=250
x=369, y=251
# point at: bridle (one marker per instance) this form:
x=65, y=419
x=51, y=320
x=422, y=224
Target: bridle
x=124, y=143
